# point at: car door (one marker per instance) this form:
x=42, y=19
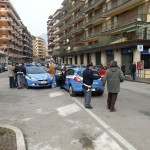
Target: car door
x=69, y=75
x=58, y=78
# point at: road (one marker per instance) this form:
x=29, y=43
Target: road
x=52, y=120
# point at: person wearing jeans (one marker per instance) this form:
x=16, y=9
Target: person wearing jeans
x=11, y=75
x=21, y=72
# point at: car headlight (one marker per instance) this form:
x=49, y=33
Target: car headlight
x=29, y=78
x=51, y=77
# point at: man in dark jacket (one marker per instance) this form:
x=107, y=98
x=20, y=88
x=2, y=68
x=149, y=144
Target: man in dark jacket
x=113, y=77
x=133, y=70
x=88, y=78
x=21, y=72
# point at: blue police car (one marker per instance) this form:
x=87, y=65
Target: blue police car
x=37, y=76
x=72, y=80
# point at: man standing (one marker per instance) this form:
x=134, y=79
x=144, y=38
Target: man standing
x=123, y=68
x=88, y=78
x=113, y=77
x=21, y=72
x=11, y=74
x=133, y=70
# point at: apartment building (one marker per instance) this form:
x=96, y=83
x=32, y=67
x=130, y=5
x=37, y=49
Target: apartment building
x=104, y=30
x=39, y=48
x=50, y=34
x=14, y=36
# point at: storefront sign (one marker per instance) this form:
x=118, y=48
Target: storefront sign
x=140, y=65
x=126, y=51
x=140, y=48
x=145, y=52
x=109, y=52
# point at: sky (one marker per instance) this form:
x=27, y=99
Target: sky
x=34, y=13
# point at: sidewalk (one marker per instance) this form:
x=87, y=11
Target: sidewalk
x=11, y=138
x=141, y=80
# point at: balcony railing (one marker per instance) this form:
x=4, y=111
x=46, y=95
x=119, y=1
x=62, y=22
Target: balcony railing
x=108, y=40
x=77, y=4
x=134, y=20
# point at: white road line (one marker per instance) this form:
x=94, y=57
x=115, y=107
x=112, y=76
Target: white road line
x=68, y=110
x=105, y=142
x=108, y=128
x=55, y=94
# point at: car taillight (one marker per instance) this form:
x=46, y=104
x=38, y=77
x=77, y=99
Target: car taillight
x=77, y=79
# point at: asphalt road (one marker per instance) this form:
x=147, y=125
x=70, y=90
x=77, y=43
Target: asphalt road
x=52, y=120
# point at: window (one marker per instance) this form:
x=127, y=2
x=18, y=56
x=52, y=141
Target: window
x=2, y=6
x=70, y=72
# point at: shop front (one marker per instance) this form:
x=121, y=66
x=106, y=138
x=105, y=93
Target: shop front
x=110, y=56
x=127, y=59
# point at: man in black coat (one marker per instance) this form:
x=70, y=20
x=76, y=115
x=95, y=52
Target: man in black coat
x=88, y=78
x=133, y=70
x=21, y=72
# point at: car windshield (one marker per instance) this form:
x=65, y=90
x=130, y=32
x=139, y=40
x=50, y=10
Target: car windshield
x=80, y=73
x=36, y=70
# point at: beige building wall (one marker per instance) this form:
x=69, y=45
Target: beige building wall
x=103, y=58
x=117, y=57
x=93, y=58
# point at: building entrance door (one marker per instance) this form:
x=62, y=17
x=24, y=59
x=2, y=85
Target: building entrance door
x=127, y=59
x=98, y=58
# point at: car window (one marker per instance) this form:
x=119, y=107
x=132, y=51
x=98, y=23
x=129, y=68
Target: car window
x=80, y=73
x=36, y=70
x=70, y=72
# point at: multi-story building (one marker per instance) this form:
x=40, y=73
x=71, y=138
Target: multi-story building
x=104, y=30
x=12, y=35
x=50, y=31
x=39, y=48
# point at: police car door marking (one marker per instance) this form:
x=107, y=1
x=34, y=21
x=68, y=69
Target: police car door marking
x=68, y=110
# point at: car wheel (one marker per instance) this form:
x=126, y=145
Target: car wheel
x=71, y=92
x=27, y=86
x=100, y=93
x=50, y=86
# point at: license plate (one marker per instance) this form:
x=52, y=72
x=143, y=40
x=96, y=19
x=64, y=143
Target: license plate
x=43, y=82
x=93, y=89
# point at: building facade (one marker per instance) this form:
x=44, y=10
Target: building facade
x=14, y=36
x=104, y=30
x=39, y=50
x=50, y=34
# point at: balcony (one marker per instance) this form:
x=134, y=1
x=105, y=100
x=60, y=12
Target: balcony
x=76, y=5
x=77, y=29
x=92, y=4
x=129, y=24
x=65, y=16
x=57, y=39
x=65, y=26
x=77, y=17
x=66, y=4
x=51, y=44
x=119, y=6
x=91, y=37
x=56, y=22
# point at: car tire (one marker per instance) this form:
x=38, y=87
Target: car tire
x=50, y=86
x=100, y=93
x=71, y=92
x=27, y=86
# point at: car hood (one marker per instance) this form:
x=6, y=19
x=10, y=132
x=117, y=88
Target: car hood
x=39, y=76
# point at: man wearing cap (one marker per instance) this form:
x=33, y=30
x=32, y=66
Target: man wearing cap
x=113, y=77
x=88, y=78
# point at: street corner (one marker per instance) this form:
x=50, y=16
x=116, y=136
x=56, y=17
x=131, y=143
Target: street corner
x=11, y=138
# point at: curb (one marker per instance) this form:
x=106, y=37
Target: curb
x=137, y=81
x=19, y=136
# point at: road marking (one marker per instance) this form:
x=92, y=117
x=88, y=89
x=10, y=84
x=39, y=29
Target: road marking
x=56, y=94
x=39, y=111
x=108, y=128
x=68, y=110
x=105, y=142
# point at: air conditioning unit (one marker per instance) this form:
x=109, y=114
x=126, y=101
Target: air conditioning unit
x=138, y=19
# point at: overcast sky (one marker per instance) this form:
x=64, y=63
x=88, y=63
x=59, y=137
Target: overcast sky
x=34, y=13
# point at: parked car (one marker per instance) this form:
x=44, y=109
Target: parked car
x=72, y=80
x=37, y=76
